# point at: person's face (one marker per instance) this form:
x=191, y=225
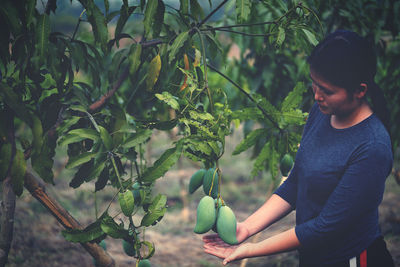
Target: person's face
x=332, y=99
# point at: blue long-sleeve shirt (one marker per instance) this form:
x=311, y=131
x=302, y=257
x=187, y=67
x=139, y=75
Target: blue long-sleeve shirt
x=336, y=186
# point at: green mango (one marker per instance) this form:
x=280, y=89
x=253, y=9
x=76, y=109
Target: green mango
x=218, y=204
x=196, y=180
x=206, y=215
x=144, y=263
x=286, y=164
x=128, y=248
x=211, y=179
x=226, y=225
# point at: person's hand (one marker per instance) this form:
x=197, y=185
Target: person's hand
x=215, y=246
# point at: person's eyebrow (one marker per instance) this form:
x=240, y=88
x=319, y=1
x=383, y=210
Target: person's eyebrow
x=322, y=87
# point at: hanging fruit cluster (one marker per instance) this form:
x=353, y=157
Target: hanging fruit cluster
x=212, y=212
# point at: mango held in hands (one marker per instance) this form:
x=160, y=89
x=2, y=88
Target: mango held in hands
x=144, y=263
x=196, y=180
x=210, y=182
x=226, y=225
x=206, y=215
x=286, y=164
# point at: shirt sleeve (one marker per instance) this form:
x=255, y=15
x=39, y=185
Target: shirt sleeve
x=288, y=190
x=359, y=191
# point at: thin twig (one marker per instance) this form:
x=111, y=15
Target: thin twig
x=212, y=13
x=245, y=93
x=237, y=32
x=243, y=25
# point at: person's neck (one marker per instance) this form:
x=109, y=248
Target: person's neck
x=353, y=118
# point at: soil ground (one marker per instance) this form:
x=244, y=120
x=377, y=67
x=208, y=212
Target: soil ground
x=38, y=240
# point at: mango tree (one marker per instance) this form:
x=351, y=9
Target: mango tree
x=99, y=92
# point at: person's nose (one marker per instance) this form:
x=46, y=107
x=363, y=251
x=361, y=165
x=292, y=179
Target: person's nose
x=317, y=95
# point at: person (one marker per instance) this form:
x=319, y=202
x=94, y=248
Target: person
x=338, y=178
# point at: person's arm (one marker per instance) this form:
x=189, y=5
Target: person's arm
x=271, y=211
x=282, y=242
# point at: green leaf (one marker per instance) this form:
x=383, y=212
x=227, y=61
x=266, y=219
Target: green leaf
x=127, y=202
x=106, y=138
x=177, y=44
x=280, y=37
x=195, y=10
x=102, y=180
x=81, y=174
x=14, y=101
x=69, y=139
x=294, y=117
x=150, y=248
x=169, y=99
x=42, y=35
x=139, y=138
x=250, y=140
x=158, y=202
x=125, y=13
x=163, y=164
x=267, y=106
x=294, y=98
x=261, y=159
x=152, y=217
x=247, y=114
x=273, y=160
x=42, y=159
x=98, y=22
x=5, y=158
x=153, y=72
x=158, y=18
x=77, y=135
x=184, y=6
x=92, y=232
x=111, y=228
x=149, y=14
x=67, y=123
x=310, y=37
x=80, y=159
x=134, y=58
x=204, y=116
x=242, y=10
x=156, y=210
x=10, y=13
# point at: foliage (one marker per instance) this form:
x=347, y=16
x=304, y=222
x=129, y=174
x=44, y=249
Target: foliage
x=100, y=93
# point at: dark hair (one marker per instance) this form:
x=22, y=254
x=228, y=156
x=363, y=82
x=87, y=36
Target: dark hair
x=346, y=59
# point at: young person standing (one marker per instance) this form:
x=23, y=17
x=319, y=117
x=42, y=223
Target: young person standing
x=338, y=178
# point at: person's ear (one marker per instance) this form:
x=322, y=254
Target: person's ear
x=362, y=90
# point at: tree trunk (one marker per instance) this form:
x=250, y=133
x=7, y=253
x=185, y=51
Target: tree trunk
x=7, y=209
x=7, y=220
x=37, y=190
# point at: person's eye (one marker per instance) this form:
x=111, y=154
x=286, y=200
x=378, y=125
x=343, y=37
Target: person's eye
x=327, y=92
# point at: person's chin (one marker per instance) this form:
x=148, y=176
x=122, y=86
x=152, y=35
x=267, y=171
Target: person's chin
x=324, y=109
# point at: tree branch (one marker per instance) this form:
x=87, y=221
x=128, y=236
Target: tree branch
x=237, y=32
x=38, y=191
x=212, y=13
x=245, y=93
x=99, y=103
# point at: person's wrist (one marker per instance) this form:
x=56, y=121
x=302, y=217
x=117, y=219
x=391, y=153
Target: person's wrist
x=244, y=232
